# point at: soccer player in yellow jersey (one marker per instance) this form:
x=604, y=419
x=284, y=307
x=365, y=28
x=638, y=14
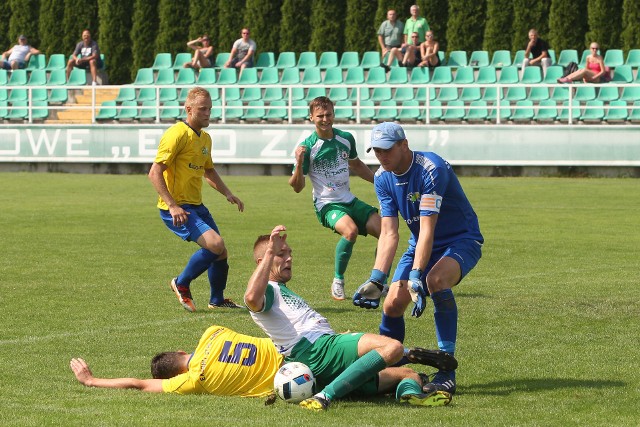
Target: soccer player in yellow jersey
x=183, y=159
x=225, y=363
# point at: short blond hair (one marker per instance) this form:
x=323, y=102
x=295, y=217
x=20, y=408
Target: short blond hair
x=196, y=92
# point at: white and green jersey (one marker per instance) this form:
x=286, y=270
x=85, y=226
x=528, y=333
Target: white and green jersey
x=327, y=164
x=287, y=318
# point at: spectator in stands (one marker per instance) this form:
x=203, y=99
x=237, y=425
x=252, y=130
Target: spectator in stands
x=538, y=49
x=242, y=52
x=412, y=55
x=18, y=56
x=415, y=24
x=86, y=55
x=390, y=39
x=429, y=51
x=594, y=72
x=203, y=55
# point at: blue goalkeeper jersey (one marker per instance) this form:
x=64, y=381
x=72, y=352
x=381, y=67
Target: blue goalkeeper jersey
x=429, y=187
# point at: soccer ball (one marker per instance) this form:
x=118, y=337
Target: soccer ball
x=294, y=382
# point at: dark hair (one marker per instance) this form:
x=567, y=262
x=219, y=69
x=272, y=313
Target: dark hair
x=320, y=102
x=167, y=365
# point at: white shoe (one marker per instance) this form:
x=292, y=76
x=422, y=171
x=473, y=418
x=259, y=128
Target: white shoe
x=337, y=289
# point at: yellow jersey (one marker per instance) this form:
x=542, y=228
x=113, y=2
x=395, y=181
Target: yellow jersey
x=226, y=363
x=187, y=155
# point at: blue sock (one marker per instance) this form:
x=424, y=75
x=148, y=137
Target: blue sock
x=445, y=315
x=198, y=264
x=218, y=272
x=392, y=327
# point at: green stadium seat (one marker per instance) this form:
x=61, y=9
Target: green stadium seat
x=180, y=59
x=128, y=111
x=144, y=76
x=254, y=110
x=18, y=78
x=464, y=76
x=272, y=94
x=560, y=93
x=367, y=110
x=107, y=111
x=266, y=60
x=487, y=75
x=477, y=112
x=126, y=93
x=503, y=108
x=622, y=74
x=585, y=93
x=376, y=76
x=295, y=94
x=501, y=58
x=252, y=93
x=370, y=59
x=398, y=76
x=509, y=75
x=350, y=60
x=186, y=76
x=442, y=75
x=19, y=110
x=216, y=111
x=441, y=57
x=479, y=58
x=435, y=112
x=214, y=92
x=307, y=60
x=410, y=111
x=583, y=59
x=363, y=93
x=328, y=60
x=634, y=115
x=343, y=110
x=57, y=78
x=516, y=93
x=338, y=93
x=355, y=76
x=171, y=112
x=454, y=112
x=37, y=78
x=249, y=76
x=470, y=94
x=566, y=56
x=165, y=77
x=630, y=94
x=593, y=112
x=531, y=75
x=563, y=116
x=161, y=61
x=58, y=96
x=448, y=94
x=227, y=76
x=277, y=110
x=269, y=76
x=403, y=93
x=633, y=58
x=616, y=112
x=286, y=60
x=57, y=61
x=168, y=94
x=221, y=59
x=290, y=76
x=552, y=74
x=37, y=62
x=387, y=111
x=457, y=58
x=552, y=56
x=311, y=76
x=547, y=111
x=4, y=94
x=523, y=111
x=314, y=92
x=608, y=94
x=18, y=95
x=233, y=110
x=206, y=77
x=146, y=94
x=419, y=76
x=381, y=93
x=333, y=76
x=421, y=94
x=4, y=111
x=148, y=112
x=491, y=93
x=613, y=58
x=538, y=93
x=518, y=59
x=299, y=110
x=40, y=110
x=232, y=93
x=4, y=78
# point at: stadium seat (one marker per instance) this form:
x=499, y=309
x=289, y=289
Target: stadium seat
x=398, y=76
x=566, y=56
x=442, y=75
x=56, y=62
x=272, y=94
x=148, y=111
x=403, y=93
x=221, y=59
x=387, y=111
x=37, y=62
x=128, y=111
x=531, y=75
x=361, y=92
x=214, y=92
x=593, y=112
x=435, y=112
x=634, y=115
x=252, y=93
x=206, y=77
x=57, y=78
x=616, y=112
x=457, y=58
x=552, y=74
x=40, y=110
x=501, y=58
x=227, y=76
x=294, y=94
x=328, y=60
x=421, y=94
x=311, y=76
x=233, y=110
x=349, y=60
x=552, y=56
x=622, y=74
x=608, y=94
x=144, y=76
x=491, y=94
x=19, y=110
x=419, y=76
x=4, y=94
x=232, y=93
x=216, y=111
x=343, y=110
x=265, y=60
x=563, y=116
x=333, y=76
x=171, y=111
x=448, y=94
x=338, y=93
x=255, y=110
x=18, y=78
x=464, y=76
x=583, y=59
x=249, y=76
x=410, y=111
x=37, y=78
x=146, y=94
x=299, y=110
x=269, y=76
x=523, y=111
x=307, y=60
x=516, y=93
x=18, y=94
x=355, y=76
x=381, y=93
x=168, y=94
x=126, y=93
x=518, y=59
x=186, y=76
x=314, y=92
x=503, y=110
x=161, y=61
x=4, y=111
x=376, y=76
x=367, y=111
x=107, y=111
x=286, y=60
x=630, y=94
x=585, y=93
x=477, y=112
x=180, y=59
x=276, y=110
x=633, y=58
x=454, y=111
x=613, y=58
x=479, y=58
x=58, y=96
x=470, y=94
x=547, y=111
x=370, y=59
x=4, y=77
x=486, y=75
x=165, y=77
x=509, y=75
x=538, y=93
x=560, y=93
x=290, y=76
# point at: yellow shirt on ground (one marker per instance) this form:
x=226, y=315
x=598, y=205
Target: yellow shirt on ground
x=187, y=155
x=226, y=363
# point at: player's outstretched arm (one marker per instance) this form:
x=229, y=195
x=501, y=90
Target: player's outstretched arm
x=254, y=296
x=84, y=375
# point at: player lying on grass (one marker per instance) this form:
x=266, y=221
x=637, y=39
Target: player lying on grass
x=342, y=363
x=241, y=365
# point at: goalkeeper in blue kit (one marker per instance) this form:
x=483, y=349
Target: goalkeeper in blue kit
x=444, y=246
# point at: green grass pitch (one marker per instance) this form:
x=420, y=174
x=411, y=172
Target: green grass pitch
x=549, y=319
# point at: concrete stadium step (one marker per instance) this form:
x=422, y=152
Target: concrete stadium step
x=82, y=98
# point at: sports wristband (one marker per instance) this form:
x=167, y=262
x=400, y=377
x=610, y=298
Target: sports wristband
x=377, y=276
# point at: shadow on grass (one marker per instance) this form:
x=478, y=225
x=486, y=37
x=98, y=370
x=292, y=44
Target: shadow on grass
x=503, y=388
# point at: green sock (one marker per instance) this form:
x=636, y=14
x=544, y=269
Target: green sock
x=343, y=255
x=407, y=386
x=355, y=375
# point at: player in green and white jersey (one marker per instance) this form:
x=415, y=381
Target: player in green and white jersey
x=326, y=157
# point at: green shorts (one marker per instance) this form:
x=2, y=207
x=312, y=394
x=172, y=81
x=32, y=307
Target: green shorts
x=358, y=210
x=329, y=356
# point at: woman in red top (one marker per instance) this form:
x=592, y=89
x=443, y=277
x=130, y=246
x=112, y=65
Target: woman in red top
x=592, y=73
